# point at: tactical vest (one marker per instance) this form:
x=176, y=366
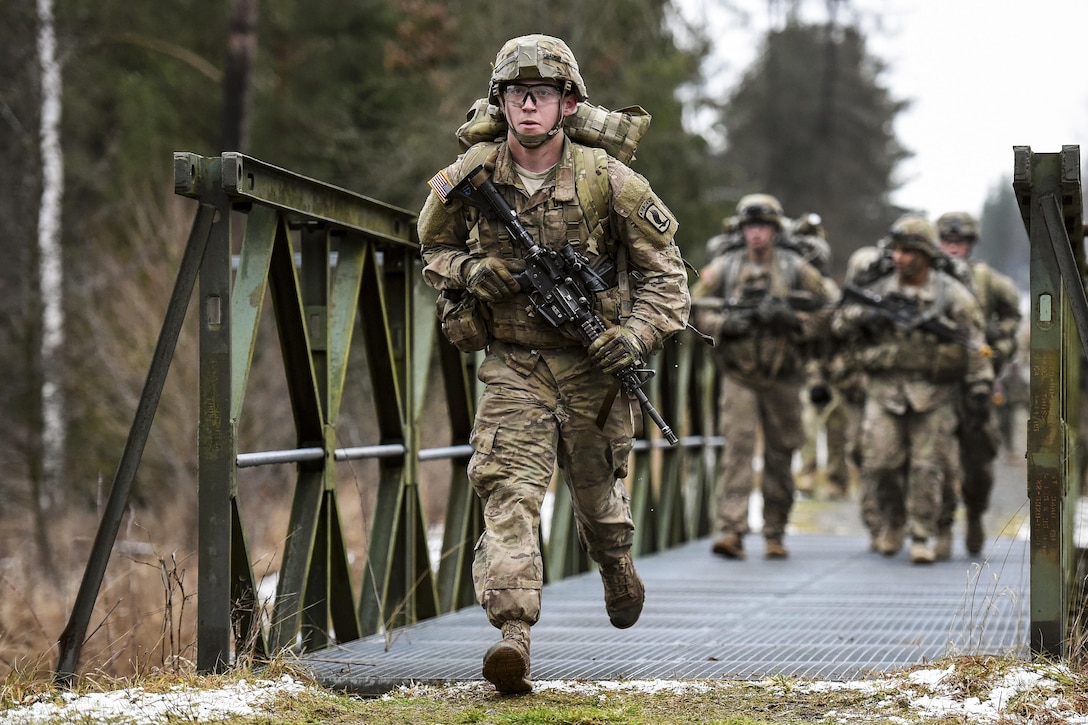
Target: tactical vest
x=785, y=274
x=916, y=354
x=586, y=227
x=762, y=354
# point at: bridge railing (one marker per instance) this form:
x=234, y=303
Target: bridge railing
x=1048, y=191
x=338, y=267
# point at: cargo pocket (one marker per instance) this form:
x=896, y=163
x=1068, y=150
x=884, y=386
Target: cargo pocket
x=621, y=455
x=464, y=322
x=949, y=362
x=482, y=464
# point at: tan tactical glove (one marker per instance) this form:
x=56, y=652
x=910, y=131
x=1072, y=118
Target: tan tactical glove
x=617, y=348
x=490, y=279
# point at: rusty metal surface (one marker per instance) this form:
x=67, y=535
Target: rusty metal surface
x=833, y=610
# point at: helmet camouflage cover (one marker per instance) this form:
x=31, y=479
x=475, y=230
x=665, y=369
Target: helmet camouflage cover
x=759, y=208
x=958, y=224
x=914, y=231
x=536, y=57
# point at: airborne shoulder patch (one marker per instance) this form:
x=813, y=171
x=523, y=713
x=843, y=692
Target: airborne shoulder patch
x=655, y=215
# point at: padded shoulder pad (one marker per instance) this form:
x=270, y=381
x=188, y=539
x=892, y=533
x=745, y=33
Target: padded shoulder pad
x=637, y=202
x=480, y=153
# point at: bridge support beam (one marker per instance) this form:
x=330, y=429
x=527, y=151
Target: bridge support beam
x=1048, y=191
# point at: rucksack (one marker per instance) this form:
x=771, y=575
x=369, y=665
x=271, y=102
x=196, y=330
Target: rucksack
x=617, y=132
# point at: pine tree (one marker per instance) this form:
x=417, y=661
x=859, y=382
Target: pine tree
x=811, y=123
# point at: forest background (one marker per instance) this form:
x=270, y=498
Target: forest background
x=362, y=95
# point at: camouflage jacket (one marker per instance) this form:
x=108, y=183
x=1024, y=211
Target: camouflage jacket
x=650, y=294
x=999, y=299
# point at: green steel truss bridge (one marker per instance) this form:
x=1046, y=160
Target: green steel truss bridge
x=342, y=272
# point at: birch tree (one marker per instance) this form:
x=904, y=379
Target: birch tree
x=50, y=269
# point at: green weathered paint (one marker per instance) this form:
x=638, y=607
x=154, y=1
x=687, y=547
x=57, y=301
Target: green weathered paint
x=1048, y=192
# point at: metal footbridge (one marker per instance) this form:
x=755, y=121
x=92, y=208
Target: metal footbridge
x=833, y=610
x=341, y=275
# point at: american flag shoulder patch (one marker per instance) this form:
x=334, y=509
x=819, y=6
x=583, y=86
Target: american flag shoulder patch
x=441, y=185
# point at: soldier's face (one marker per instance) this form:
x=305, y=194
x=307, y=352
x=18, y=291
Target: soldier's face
x=956, y=246
x=758, y=235
x=910, y=264
x=531, y=115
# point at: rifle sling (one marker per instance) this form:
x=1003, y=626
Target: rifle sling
x=606, y=409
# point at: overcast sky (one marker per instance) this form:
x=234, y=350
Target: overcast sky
x=983, y=76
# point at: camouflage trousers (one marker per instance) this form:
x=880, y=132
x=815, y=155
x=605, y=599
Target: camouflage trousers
x=905, y=458
x=973, y=476
x=869, y=507
x=775, y=410
x=833, y=418
x=539, y=409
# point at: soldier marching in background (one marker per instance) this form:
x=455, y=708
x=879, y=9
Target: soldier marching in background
x=980, y=437
x=822, y=405
x=914, y=364
x=743, y=299
x=865, y=266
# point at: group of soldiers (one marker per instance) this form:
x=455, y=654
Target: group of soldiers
x=906, y=350
x=559, y=263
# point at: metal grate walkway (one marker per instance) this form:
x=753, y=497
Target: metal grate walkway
x=833, y=610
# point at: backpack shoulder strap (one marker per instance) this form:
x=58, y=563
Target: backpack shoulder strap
x=789, y=263
x=477, y=154
x=591, y=186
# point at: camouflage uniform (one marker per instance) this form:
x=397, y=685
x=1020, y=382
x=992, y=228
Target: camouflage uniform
x=542, y=390
x=980, y=441
x=762, y=367
x=913, y=382
x=833, y=417
x=865, y=265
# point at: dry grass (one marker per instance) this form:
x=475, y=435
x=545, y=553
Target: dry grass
x=145, y=616
x=959, y=690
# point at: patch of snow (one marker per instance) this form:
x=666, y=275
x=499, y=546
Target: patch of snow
x=137, y=706
x=930, y=693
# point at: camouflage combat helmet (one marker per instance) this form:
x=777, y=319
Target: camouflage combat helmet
x=913, y=231
x=536, y=58
x=958, y=224
x=759, y=208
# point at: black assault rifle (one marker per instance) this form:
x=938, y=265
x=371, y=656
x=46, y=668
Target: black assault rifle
x=903, y=312
x=757, y=304
x=560, y=284
x=755, y=298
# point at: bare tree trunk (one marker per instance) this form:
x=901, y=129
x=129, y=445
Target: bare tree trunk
x=50, y=273
x=241, y=47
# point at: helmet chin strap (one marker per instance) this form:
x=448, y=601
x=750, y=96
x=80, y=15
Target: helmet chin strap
x=538, y=139
x=535, y=140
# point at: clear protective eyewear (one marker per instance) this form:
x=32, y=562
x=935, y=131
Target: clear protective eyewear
x=541, y=93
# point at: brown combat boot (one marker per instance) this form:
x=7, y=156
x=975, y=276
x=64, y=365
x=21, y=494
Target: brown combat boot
x=976, y=535
x=774, y=549
x=891, y=540
x=506, y=663
x=921, y=552
x=624, y=593
x=731, y=546
x=942, y=550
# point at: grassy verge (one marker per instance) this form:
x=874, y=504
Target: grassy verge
x=954, y=690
